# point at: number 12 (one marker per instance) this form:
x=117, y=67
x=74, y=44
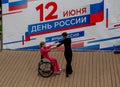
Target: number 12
x=50, y=15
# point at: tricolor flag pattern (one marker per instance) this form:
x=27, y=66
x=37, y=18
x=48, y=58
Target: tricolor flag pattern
x=15, y=5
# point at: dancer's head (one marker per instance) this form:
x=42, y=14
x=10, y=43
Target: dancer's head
x=42, y=44
x=64, y=34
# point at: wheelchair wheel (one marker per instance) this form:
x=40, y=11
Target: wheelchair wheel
x=45, y=69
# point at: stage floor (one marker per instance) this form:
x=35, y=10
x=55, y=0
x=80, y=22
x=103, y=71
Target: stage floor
x=90, y=69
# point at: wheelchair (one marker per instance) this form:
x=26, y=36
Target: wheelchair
x=45, y=67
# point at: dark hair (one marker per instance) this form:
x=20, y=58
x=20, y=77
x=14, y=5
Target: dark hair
x=64, y=34
x=42, y=43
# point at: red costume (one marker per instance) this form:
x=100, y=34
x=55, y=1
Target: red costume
x=44, y=52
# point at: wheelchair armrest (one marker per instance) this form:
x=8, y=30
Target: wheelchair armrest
x=41, y=57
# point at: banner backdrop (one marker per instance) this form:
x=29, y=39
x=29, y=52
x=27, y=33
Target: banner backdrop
x=92, y=24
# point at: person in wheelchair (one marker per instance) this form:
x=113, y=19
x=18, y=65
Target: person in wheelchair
x=44, y=50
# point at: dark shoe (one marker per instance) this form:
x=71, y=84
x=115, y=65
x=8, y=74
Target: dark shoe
x=67, y=75
x=70, y=72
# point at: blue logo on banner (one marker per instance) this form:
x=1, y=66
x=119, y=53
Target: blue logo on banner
x=59, y=37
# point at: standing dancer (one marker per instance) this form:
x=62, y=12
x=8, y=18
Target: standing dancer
x=67, y=52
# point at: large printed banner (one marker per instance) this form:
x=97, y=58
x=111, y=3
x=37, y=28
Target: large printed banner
x=91, y=24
